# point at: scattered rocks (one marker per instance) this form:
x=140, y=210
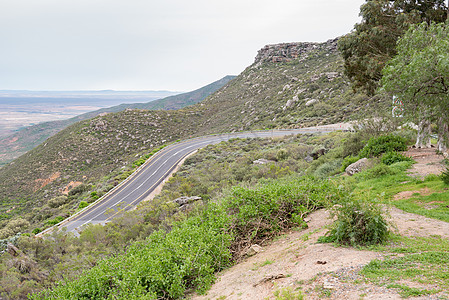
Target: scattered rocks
x=356, y=167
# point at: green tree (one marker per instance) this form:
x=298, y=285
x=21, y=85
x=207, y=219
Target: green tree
x=372, y=43
x=419, y=73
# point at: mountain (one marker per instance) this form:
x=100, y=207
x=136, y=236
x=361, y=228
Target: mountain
x=26, y=139
x=288, y=85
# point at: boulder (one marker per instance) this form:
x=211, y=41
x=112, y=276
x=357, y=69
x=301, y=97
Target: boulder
x=253, y=250
x=262, y=161
x=356, y=167
x=186, y=200
x=310, y=102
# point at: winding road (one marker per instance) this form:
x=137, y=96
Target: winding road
x=153, y=173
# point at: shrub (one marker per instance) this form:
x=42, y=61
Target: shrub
x=359, y=222
x=377, y=171
x=445, y=176
x=55, y=220
x=57, y=201
x=36, y=230
x=79, y=189
x=347, y=161
x=260, y=214
x=382, y=144
x=328, y=168
x=83, y=204
x=390, y=158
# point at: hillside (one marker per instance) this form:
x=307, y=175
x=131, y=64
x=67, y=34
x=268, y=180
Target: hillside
x=26, y=139
x=289, y=85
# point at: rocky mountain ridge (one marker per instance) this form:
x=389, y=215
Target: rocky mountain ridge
x=287, y=52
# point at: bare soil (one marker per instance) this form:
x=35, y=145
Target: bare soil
x=322, y=270
x=427, y=162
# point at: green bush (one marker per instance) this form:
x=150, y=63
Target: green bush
x=55, y=220
x=359, y=222
x=83, y=204
x=377, y=171
x=347, y=161
x=328, y=168
x=390, y=158
x=36, y=230
x=382, y=144
x=445, y=176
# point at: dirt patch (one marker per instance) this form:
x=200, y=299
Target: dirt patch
x=427, y=162
x=408, y=194
x=71, y=185
x=40, y=183
x=320, y=270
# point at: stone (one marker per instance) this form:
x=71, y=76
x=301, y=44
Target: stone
x=308, y=158
x=262, y=161
x=13, y=250
x=356, y=167
x=311, y=102
x=253, y=250
x=186, y=200
x=318, y=152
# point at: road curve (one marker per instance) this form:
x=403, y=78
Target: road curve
x=154, y=172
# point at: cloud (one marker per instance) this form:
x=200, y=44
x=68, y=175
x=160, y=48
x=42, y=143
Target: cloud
x=149, y=44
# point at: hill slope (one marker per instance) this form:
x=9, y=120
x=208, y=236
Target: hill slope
x=26, y=139
x=289, y=85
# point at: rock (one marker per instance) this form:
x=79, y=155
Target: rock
x=310, y=102
x=181, y=201
x=285, y=52
x=318, y=152
x=308, y=158
x=356, y=167
x=262, y=161
x=253, y=250
x=13, y=250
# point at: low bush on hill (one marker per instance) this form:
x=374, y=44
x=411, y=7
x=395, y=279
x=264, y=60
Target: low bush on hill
x=170, y=262
x=383, y=144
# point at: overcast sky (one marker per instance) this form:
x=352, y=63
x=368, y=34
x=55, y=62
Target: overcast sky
x=177, y=45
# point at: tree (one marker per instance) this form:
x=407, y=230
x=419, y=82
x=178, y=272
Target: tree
x=419, y=74
x=373, y=41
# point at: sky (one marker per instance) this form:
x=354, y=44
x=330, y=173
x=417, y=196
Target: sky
x=175, y=45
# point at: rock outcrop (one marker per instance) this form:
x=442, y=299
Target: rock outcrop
x=286, y=52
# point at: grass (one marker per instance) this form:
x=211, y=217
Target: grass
x=411, y=261
x=262, y=264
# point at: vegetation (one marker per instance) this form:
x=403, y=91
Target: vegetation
x=372, y=44
x=358, y=222
x=383, y=144
x=100, y=152
x=418, y=259
x=167, y=263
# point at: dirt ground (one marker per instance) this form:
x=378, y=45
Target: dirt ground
x=295, y=259
x=427, y=162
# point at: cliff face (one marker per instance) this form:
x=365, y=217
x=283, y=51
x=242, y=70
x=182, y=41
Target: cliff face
x=286, y=52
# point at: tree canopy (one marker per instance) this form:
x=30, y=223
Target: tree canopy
x=373, y=41
x=419, y=73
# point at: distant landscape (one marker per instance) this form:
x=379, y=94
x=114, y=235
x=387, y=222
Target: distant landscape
x=19, y=109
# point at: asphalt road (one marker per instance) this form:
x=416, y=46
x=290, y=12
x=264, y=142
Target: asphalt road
x=153, y=173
